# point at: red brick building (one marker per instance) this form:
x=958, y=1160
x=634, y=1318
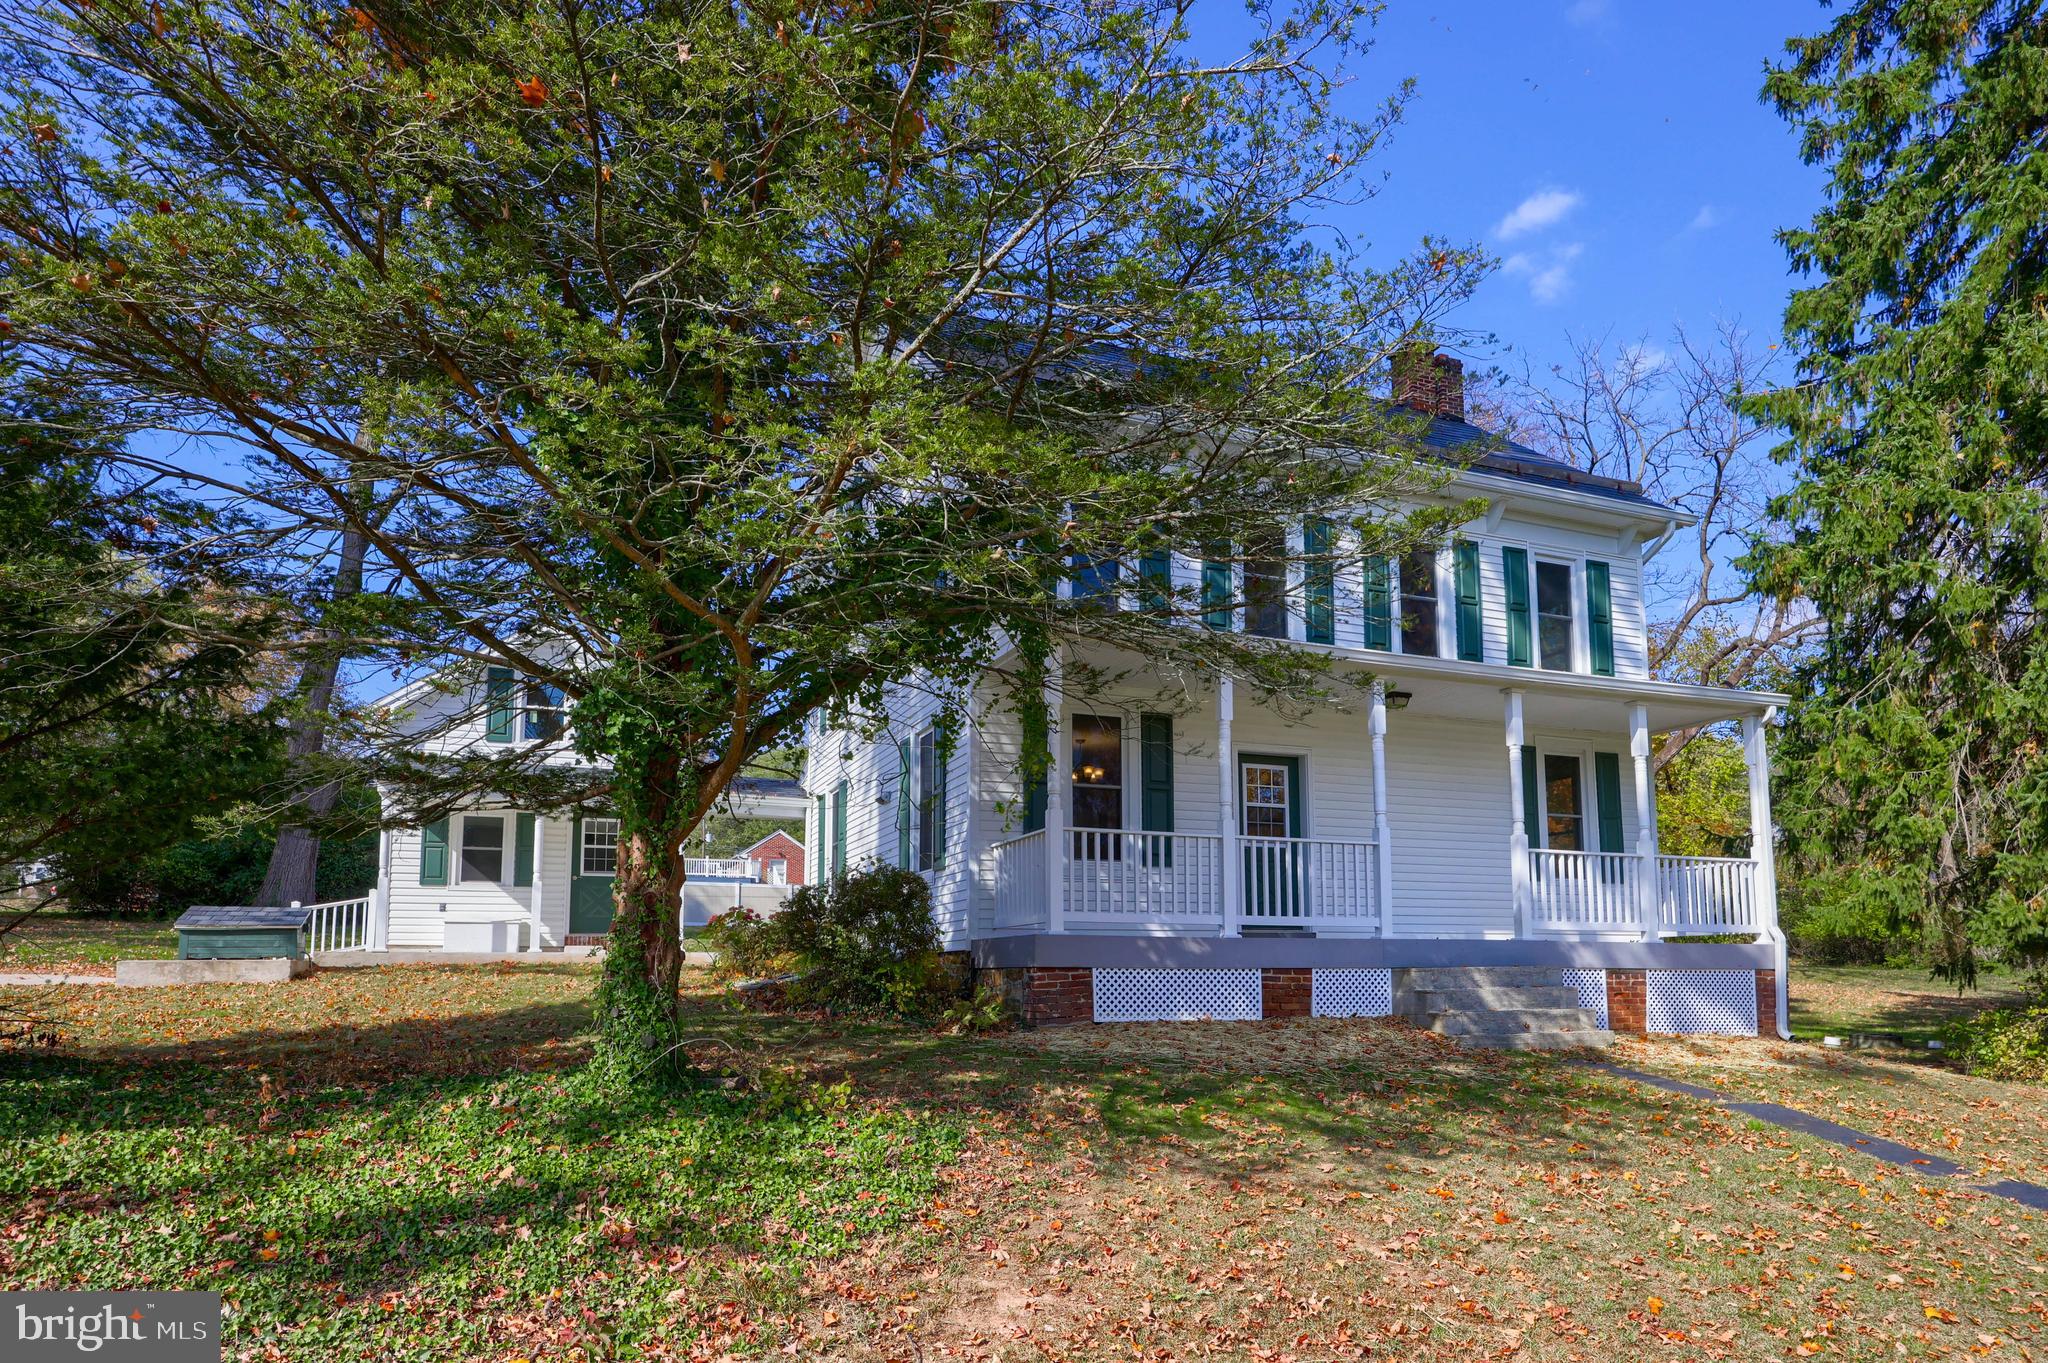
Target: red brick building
x=778, y=859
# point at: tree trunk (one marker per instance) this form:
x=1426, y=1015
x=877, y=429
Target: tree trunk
x=295, y=861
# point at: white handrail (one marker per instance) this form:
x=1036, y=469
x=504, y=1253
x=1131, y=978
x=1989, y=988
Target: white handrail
x=1701, y=896
x=1021, y=900
x=1585, y=891
x=338, y=925
x=1320, y=883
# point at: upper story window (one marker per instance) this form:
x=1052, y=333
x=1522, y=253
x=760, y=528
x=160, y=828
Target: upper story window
x=543, y=714
x=524, y=708
x=1265, y=584
x=1093, y=579
x=1554, y=615
x=1419, y=601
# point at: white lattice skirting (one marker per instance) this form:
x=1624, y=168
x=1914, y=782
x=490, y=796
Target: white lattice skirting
x=1592, y=990
x=1713, y=1002
x=1351, y=993
x=1176, y=995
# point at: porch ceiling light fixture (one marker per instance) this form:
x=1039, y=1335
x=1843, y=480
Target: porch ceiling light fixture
x=1398, y=700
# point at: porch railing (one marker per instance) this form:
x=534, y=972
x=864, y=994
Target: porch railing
x=1585, y=891
x=1697, y=896
x=339, y=925
x=1159, y=882
x=723, y=868
x=1317, y=883
x=1021, y=899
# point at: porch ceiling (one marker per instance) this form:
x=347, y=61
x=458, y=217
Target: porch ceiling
x=1471, y=691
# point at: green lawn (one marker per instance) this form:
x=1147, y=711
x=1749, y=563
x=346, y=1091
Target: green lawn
x=74, y=943
x=406, y=1164
x=1877, y=1000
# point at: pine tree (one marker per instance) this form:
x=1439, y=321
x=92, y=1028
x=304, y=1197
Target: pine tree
x=1919, y=434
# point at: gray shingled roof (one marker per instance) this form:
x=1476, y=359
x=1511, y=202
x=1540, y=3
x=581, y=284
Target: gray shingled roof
x=242, y=916
x=1510, y=460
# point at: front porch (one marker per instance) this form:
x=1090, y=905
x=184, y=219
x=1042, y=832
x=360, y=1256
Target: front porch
x=1407, y=820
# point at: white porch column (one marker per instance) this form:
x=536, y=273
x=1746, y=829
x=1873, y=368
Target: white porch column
x=1058, y=775
x=1383, y=847
x=1763, y=856
x=380, y=907
x=1226, y=810
x=540, y=882
x=1649, y=892
x=1518, y=832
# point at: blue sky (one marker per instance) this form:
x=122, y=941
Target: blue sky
x=1613, y=153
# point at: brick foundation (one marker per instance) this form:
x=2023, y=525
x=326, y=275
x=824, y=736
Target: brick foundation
x=1625, y=1001
x=1285, y=992
x=1767, y=1003
x=1058, y=994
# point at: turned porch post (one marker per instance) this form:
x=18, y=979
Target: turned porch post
x=1762, y=855
x=1383, y=847
x=1518, y=830
x=1649, y=895
x=1059, y=775
x=1226, y=811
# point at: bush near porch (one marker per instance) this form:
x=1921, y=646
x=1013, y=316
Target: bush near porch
x=404, y=1163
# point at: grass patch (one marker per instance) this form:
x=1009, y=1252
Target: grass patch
x=75, y=943
x=1908, y=1004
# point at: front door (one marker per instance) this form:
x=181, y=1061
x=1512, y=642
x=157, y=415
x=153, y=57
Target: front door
x=592, y=860
x=1269, y=820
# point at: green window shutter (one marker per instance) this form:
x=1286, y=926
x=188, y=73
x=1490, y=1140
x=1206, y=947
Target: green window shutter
x=522, y=850
x=1379, y=603
x=1600, y=617
x=1216, y=594
x=1514, y=567
x=903, y=803
x=1607, y=789
x=1532, y=810
x=839, y=829
x=498, y=688
x=1155, y=756
x=1155, y=579
x=1319, y=582
x=1471, y=628
x=821, y=836
x=434, y=853
x=938, y=809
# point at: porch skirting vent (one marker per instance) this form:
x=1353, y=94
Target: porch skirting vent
x=1176, y=995
x=1592, y=990
x=1712, y=1002
x=1351, y=993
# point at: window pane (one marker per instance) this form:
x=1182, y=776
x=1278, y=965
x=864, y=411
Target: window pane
x=1418, y=603
x=483, y=849
x=1564, y=807
x=1098, y=771
x=1094, y=578
x=1265, y=585
x=600, y=847
x=543, y=718
x=1265, y=801
x=1554, y=615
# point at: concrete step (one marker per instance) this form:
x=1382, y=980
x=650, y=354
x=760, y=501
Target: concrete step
x=1589, y=1038
x=1510, y=1020
x=1495, y=996
x=1478, y=976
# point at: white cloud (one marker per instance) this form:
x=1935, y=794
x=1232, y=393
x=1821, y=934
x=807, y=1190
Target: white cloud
x=1549, y=272
x=1708, y=217
x=1642, y=358
x=1541, y=209
x=1586, y=11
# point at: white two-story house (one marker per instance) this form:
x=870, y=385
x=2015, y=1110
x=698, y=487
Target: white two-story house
x=1485, y=805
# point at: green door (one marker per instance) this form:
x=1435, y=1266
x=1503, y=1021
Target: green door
x=1269, y=821
x=593, y=856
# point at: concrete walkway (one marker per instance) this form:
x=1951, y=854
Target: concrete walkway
x=1792, y=1119
x=30, y=979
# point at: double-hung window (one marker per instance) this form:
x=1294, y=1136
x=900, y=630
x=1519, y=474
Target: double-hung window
x=483, y=849
x=1554, y=615
x=542, y=715
x=931, y=803
x=1419, y=603
x=1265, y=584
x=1098, y=785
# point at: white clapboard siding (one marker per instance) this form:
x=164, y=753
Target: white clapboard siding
x=418, y=911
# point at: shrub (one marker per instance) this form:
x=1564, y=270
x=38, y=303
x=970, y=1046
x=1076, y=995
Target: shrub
x=2003, y=1043
x=861, y=943
x=747, y=944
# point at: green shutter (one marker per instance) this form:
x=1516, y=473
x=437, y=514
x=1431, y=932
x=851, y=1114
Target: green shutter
x=1514, y=567
x=937, y=805
x=1600, y=617
x=1216, y=594
x=522, y=850
x=1319, y=582
x=1379, y=603
x=903, y=803
x=839, y=829
x=821, y=845
x=1607, y=789
x=1532, y=811
x=1471, y=626
x=498, y=688
x=1155, y=579
x=434, y=853
x=1155, y=759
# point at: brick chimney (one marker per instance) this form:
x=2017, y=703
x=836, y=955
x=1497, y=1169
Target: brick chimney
x=1430, y=382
